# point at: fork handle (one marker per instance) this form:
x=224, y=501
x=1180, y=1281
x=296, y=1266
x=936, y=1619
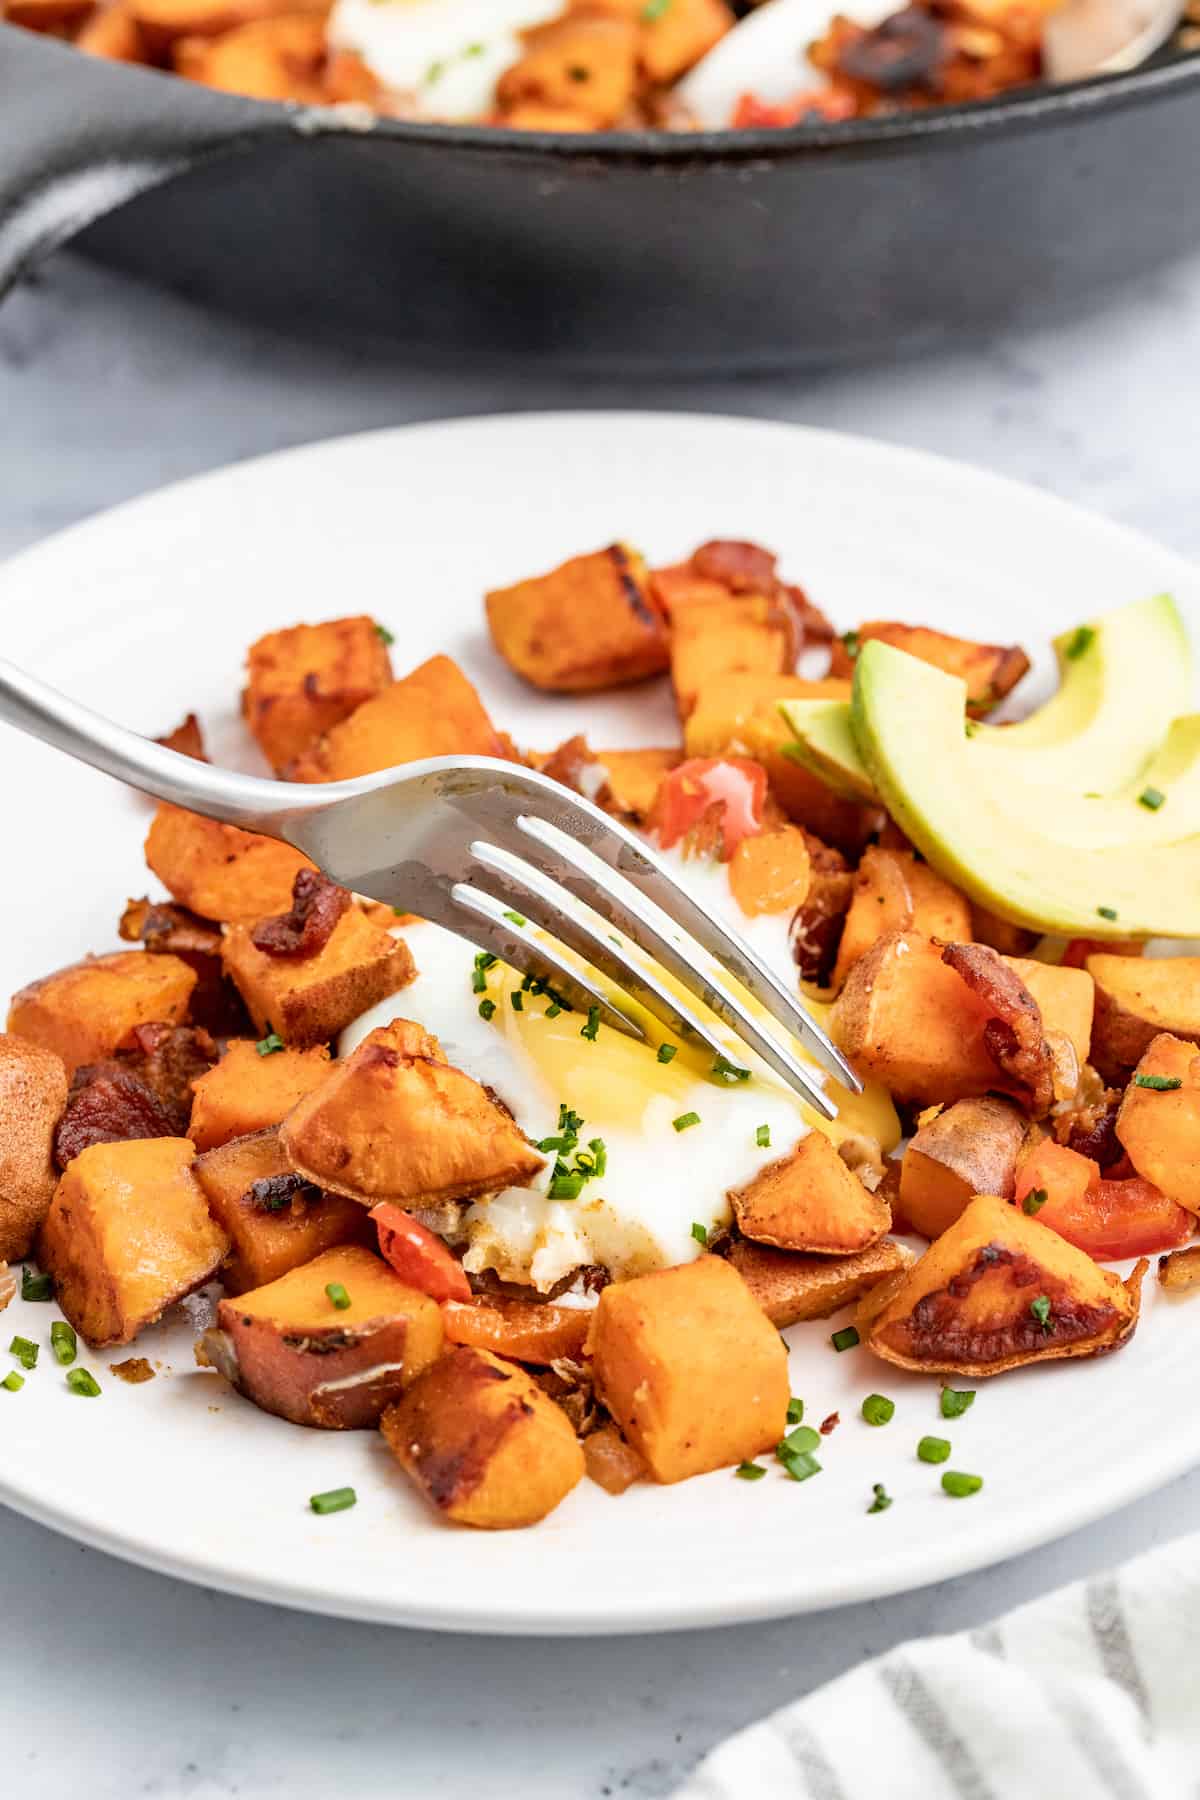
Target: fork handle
x=42, y=712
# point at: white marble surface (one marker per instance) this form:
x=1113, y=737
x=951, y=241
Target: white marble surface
x=116, y=1683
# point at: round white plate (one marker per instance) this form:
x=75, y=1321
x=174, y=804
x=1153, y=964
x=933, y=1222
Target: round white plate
x=146, y=613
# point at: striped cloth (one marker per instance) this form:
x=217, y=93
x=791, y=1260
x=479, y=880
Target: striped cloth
x=1093, y=1691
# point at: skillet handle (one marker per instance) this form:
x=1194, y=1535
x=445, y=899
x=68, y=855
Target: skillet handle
x=80, y=136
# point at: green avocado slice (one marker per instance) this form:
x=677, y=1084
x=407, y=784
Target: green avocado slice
x=908, y=723
x=1120, y=677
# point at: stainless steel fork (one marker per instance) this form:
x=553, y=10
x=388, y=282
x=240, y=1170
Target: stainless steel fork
x=484, y=848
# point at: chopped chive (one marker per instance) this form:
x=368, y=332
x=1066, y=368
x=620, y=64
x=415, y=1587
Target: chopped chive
x=654, y=9
x=546, y=1144
x=795, y=1411
x=1152, y=798
x=1161, y=1084
x=334, y=1500
x=699, y=1233
x=729, y=1071
x=667, y=1053
x=591, y=1030
x=1040, y=1308
x=13, y=1382
x=1034, y=1201
x=958, y=1485
x=882, y=1499
x=1080, y=641
x=845, y=1339
x=685, y=1121
x=82, y=1381
x=749, y=1471
x=877, y=1409
x=63, y=1341
x=268, y=1045
x=955, y=1401
x=35, y=1287
x=1106, y=912
x=387, y=636
x=478, y=981
x=25, y=1351
x=487, y=1009
x=514, y=918
x=933, y=1450
x=401, y=912
x=518, y=1000
x=801, y=1441
x=850, y=643
x=599, y=1150
x=762, y=1137
x=801, y=1466
x=553, y=1010
x=337, y=1295
x=970, y=727
x=566, y=1186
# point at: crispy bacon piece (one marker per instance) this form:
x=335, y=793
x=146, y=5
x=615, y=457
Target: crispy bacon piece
x=817, y=925
x=168, y=1058
x=1091, y=1129
x=317, y=905
x=170, y=930
x=745, y=568
x=106, y=1105
x=187, y=739
x=1013, y=1036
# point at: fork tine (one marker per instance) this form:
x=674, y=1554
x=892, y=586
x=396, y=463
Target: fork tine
x=481, y=919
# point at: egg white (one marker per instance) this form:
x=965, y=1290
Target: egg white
x=447, y=54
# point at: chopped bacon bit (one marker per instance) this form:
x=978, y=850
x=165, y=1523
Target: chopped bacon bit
x=168, y=1058
x=816, y=929
x=741, y=567
x=107, y=1104
x=1014, y=1036
x=830, y=1424
x=317, y=905
x=187, y=739
x=1092, y=1130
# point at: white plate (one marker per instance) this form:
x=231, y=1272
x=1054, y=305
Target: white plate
x=145, y=612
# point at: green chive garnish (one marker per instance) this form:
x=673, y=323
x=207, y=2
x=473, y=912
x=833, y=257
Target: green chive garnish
x=850, y=642
x=1106, y=912
x=1034, y=1201
x=63, y=1341
x=955, y=1401
x=591, y=1030
x=600, y=1152
x=749, y=1471
x=1151, y=798
x=800, y=1442
x=1080, y=641
x=1040, y=1308
x=762, y=1137
x=845, y=1339
x=13, y=1382
x=518, y=1000
x=699, y=1233
x=386, y=635
x=335, y=1500
x=25, y=1351
x=958, y=1485
x=270, y=1044
x=685, y=1121
x=553, y=1010
x=514, y=918
x=667, y=1053
x=729, y=1071
x=338, y=1295
x=877, y=1409
x=35, y=1287
x=82, y=1381
x=882, y=1499
x=566, y=1186
x=933, y=1450
x=1161, y=1084
x=487, y=1009
x=801, y=1466
x=795, y=1411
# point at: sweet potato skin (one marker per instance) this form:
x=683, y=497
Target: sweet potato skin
x=84, y=1011
x=295, y=1354
x=970, y=1148
x=246, y=1091
x=267, y=1243
x=1136, y=998
x=591, y=623
x=127, y=1234
x=691, y=1368
x=434, y=711
x=218, y=871
x=483, y=1443
x=809, y=1200
x=309, y=1000
x=33, y=1093
x=791, y=1288
x=1160, y=1130
x=305, y=680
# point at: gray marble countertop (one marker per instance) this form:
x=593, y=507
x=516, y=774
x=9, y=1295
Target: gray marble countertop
x=116, y=1683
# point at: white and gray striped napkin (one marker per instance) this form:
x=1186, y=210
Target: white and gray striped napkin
x=1092, y=1691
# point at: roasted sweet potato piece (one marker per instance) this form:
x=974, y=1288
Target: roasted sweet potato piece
x=1158, y=1123
x=610, y=1462
x=970, y=1148
x=275, y=1220
x=187, y=739
x=274, y=58
x=483, y=1443
x=113, y=32
x=584, y=62
x=591, y=623
x=164, y=21
x=740, y=634
x=771, y=872
x=1009, y=940
x=305, y=680
x=127, y=1234
x=83, y=1012
x=166, y=929
x=791, y=1288
x=316, y=1359
x=218, y=871
x=818, y=924
x=991, y=671
x=997, y=1290
x=309, y=1000
x=690, y=1367
x=678, y=35
x=33, y=1092
x=526, y=1331
x=894, y=891
x=249, y=1090
x=432, y=712
x=624, y=782
x=43, y=15
x=1013, y=1032
x=1180, y=1272
x=1109, y=1219
x=809, y=1200
x=531, y=115
x=1136, y=998
x=395, y=1122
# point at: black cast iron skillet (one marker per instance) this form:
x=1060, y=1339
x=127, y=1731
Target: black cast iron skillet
x=631, y=250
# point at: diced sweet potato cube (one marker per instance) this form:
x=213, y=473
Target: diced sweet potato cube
x=740, y=634
x=218, y=871
x=691, y=1368
x=483, y=1443
x=33, y=1092
x=310, y=999
x=187, y=739
x=432, y=712
x=1136, y=998
x=1159, y=1126
x=991, y=671
x=295, y=1351
x=127, y=1234
x=791, y=1288
x=1067, y=998
x=274, y=58
x=634, y=778
x=307, y=679
x=809, y=1200
x=163, y=21
x=583, y=62
x=1009, y=940
x=1179, y=1273
x=771, y=872
x=679, y=34
x=893, y=891
x=998, y=1289
x=113, y=32
x=526, y=1331
x=274, y=1219
x=167, y=929
x=83, y=1012
x=591, y=623
x=248, y=1090
x=970, y=1148
x=531, y=115
x=394, y=1121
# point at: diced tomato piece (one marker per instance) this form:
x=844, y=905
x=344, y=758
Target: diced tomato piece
x=734, y=784
x=417, y=1256
x=751, y=113
x=1110, y=1220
